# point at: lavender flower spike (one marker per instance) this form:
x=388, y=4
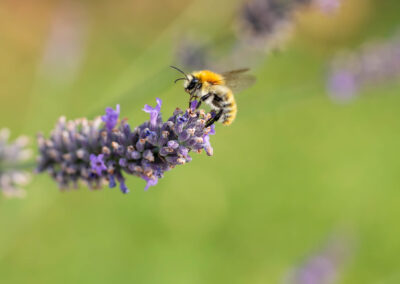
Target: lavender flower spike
x=322, y=267
x=88, y=151
x=374, y=64
x=154, y=111
x=111, y=117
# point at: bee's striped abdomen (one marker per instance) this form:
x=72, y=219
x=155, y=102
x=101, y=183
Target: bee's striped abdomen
x=230, y=109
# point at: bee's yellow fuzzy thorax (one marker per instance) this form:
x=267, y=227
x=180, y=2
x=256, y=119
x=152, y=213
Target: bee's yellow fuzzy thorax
x=210, y=77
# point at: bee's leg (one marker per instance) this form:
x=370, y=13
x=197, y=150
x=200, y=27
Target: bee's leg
x=198, y=104
x=214, y=119
x=202, y=99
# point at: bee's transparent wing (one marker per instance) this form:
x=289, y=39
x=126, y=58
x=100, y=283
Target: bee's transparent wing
x=238, y=80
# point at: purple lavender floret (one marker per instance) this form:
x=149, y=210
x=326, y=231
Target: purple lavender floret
x=96, y=153
x=97, y=163
x=111, y=117
x=154, y=111
x=342, y=85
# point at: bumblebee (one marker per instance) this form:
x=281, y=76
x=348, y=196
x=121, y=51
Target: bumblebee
x=216, y=90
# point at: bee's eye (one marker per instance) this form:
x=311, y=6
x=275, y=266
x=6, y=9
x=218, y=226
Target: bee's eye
x=192, y=85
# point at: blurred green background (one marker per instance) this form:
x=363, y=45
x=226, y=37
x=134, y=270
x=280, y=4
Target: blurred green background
x=294, y=169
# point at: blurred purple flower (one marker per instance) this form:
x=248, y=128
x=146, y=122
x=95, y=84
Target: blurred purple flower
x=342, y=85
x=66, y=42
x=12, y=156
x=88, y=151
x=154, y=111
x=192, y=53
x=373, y=64
x=323, y=267
x=262, y=18
x=328, y=6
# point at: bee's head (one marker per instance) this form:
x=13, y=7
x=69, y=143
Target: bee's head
x=192, y=83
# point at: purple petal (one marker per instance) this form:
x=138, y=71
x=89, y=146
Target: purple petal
x=122, y=184
x=212, y=131
x=193, y=105
x=159, y=102
x=111, y=182
x=123, y=187
x=150, y=181
x=147, y=108
x=153, y=118
x=342, y=85
x=154, y=111
x=111, y=117
x=97, y=163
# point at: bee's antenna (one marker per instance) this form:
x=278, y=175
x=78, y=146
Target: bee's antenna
x=179, y=70
x=179, y=79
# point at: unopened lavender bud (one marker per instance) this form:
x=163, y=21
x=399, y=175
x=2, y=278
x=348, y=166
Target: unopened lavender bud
x=191, y=131
x=138, y=169
x=179, y=127
x=148, y=172
x=173, y=144
x=177, y=112
x=148, y=155
x=191, y=142
x=183, y=151
x=202, y=113
x=164, y=151
x=115, y=145
x=209, y=150
x=111, y=180
x=123, y=162
x=183, y=136
x=172, y=160
x=168, y=125
x=165, y=134
x=81, y=153
x=140, y=145
x=136, y=155
x=145, y=133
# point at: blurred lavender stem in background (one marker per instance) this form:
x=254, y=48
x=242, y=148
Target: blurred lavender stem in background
x=374, y=64
x=328, y=6
x=66, y=43
x=261, y=26
x=13, y=156
x=97, y=153
x=322, y=267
